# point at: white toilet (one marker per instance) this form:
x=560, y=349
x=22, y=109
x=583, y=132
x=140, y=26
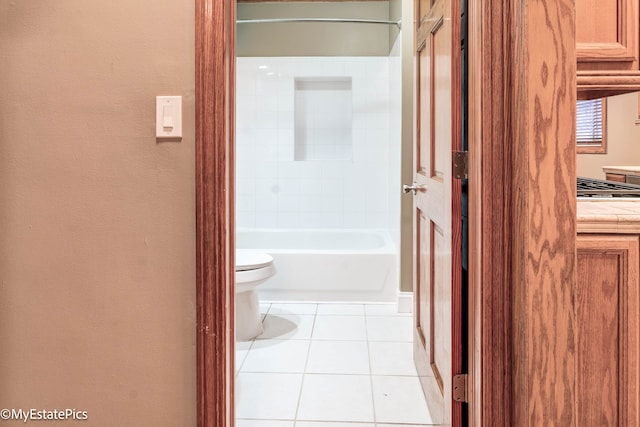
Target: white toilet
x=252, y=268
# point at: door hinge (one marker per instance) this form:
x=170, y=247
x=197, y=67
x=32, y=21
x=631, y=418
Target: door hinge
x=460, y=388
x=460, y=164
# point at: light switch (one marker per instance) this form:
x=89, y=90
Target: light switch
x=168, y=117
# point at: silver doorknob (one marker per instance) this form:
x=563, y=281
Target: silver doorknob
x=413, y=188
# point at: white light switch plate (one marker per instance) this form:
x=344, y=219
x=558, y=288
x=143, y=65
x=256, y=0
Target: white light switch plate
x=168, y=117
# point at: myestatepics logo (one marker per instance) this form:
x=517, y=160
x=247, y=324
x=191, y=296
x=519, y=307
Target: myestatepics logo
x=26, y=415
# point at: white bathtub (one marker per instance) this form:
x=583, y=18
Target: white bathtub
x=326, y=265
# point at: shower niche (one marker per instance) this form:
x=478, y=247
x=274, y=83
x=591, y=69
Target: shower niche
x=323, y=119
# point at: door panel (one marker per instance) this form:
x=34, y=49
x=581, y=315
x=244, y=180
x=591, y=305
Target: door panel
x=441, y=94
x=422, y=9
x=423, y=157
x=440, y=335
x=437, y=222
x=423, y=294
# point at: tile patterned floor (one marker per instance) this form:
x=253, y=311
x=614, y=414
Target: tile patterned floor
x=330, y=365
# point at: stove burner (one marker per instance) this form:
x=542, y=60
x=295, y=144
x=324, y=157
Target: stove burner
x=589, y=187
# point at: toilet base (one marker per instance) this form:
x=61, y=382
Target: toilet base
x=248, y=319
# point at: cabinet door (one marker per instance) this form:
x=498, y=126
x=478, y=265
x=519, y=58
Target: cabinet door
x=607, y=47
x=607, y=34
x=616, y=177
x=607, y=302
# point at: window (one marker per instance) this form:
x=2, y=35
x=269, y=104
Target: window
x=591, y=128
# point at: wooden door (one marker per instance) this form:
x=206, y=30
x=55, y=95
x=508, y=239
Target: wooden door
x=437, y=221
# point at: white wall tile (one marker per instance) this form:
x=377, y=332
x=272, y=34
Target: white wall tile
x=333, y=187
x=285, y=136
x=287, y=203
x=266, y=204
x=331, y=203
x=266, y=119
x=245, y=187
x=245, y=203
x=266, y=152
x=288, y=186
x=309, y=203
x=329, y=193
x=376, y=220
x=246, y=169
x=265, y=169
x=286, y=152
x=312, y=186
x=288, y=220
x=245, y=219
x=333, y=220
x=354, y=219
x=245, y=86
x=266, y=220
x=285, y=120
x=311, y=220
x=266, y=186
x=354, y=201
x=266, y=103
x=335, y=170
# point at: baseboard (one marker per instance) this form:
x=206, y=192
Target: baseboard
x=405, y=302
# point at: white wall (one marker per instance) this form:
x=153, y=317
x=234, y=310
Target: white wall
x=97, y=217
x=276, y=191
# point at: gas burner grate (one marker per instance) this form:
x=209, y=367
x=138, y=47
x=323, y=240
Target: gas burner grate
x=589, y=187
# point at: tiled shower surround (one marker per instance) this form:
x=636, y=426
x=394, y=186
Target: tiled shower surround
x=346, y=183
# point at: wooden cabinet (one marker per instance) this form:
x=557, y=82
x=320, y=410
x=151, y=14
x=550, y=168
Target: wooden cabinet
x=607, y=307
x=607, y=47
x=616, y=177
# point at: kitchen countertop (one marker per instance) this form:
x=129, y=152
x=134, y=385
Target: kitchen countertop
x=622, y=170
x=619, y=216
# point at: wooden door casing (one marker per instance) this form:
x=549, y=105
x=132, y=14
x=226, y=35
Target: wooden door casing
x=437, y=226
x=215, y=265
x=522, y=213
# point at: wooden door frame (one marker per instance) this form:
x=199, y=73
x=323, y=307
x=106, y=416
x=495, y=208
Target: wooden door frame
x=522, y=212
x=521, y=259
x=215, y=264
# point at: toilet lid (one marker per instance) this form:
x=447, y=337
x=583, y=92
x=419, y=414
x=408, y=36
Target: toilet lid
x=251, y=260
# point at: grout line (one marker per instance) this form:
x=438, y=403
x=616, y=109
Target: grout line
x=304, y=371
x=244, y=359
